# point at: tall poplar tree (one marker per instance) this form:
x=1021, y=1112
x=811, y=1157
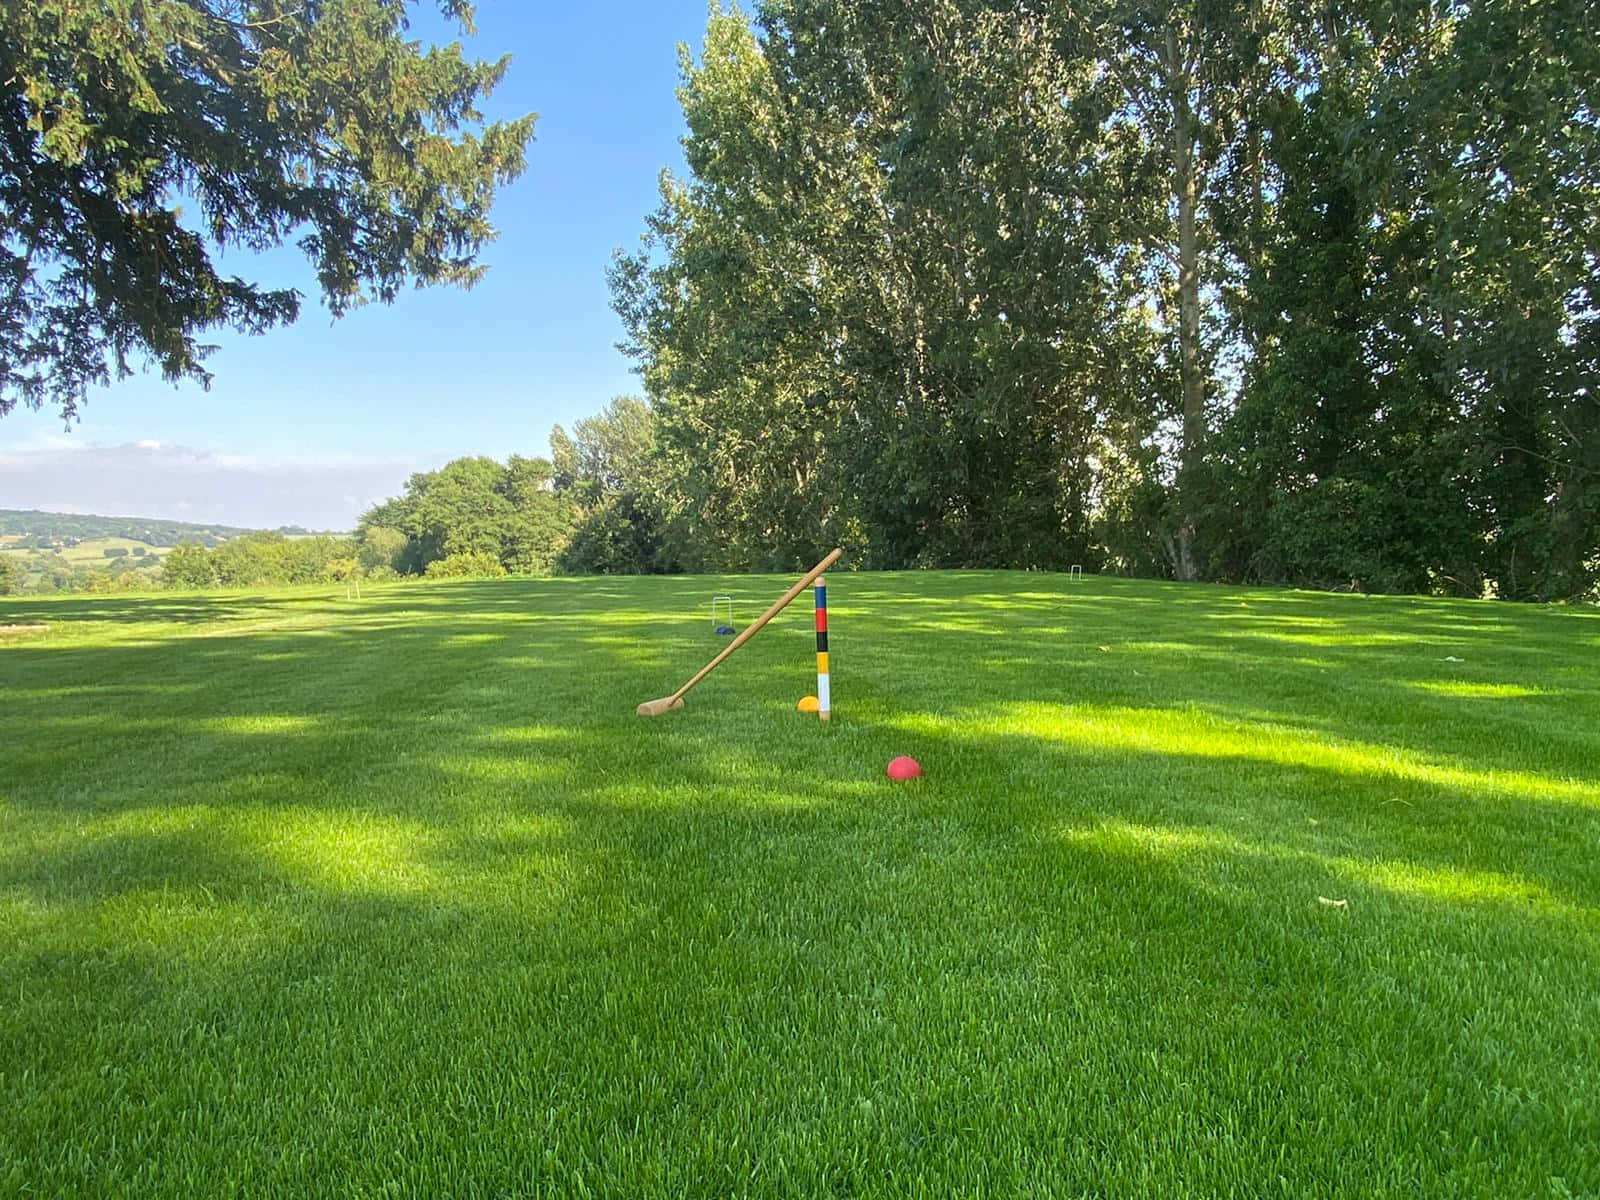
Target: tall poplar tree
x=1227, y=289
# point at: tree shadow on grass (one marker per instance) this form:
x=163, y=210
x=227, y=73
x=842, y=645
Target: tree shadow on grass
x=418, y=894
x=180, y=609
x=452, y=661
x=403, y=719
x=766, y=952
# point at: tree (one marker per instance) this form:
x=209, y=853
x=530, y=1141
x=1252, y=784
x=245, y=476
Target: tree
x=136, y=150
x=1226, y=290
x=472, y=506
x=459, y=509
x=93, y=579
x=563, y=458
x=616, y=524
x=1421, y=403
x=612, y=446
x=381, y=547
x=539, y=522
x=1508, y=149
x=613, y=537
x=188, y=566
x=886, y=307
x=11, y=575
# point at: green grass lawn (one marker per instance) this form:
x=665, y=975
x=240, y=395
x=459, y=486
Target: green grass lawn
x=398, y=896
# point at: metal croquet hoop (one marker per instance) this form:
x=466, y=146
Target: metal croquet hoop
x=716, y=625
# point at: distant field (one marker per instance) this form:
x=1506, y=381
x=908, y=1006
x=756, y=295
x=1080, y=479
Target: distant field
x=1204, y=892
x=90, y=550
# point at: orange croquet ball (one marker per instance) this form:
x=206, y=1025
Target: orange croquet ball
x=808, y=704
x=904, y=768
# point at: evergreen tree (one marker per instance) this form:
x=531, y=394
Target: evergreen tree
x=138, y=143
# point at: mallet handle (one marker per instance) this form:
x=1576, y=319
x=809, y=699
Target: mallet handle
x=754, y=627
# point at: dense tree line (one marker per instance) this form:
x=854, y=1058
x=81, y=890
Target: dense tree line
x=589, y=508
x=1216, y=289
x=260, y=559
x=23, y=570
x=254, y=560
x=585, y=509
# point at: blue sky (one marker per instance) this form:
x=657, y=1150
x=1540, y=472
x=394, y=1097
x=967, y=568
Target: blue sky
x=310, y=424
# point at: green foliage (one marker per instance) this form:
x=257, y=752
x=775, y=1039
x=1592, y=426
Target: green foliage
x=1222, y=290
x=612, y=471
x=261, y=559
x=381, y=548
x=612, y=449
x=12, y=574
x=475, y=564
x=563, y=459
x=612, y=538
x=472, y=507
x=47, y=573
x=459, y=509
x=141, y=141
x=864, y=315
x=594, y=507
x=189, y=566
x=539, y=521
x=1418, y=391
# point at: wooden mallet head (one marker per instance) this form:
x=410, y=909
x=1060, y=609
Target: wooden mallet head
x=654, y=708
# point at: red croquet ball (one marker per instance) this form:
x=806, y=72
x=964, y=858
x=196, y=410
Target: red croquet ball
x=904, y=768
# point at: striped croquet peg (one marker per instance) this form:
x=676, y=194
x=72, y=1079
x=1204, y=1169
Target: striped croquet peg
x=822, y=647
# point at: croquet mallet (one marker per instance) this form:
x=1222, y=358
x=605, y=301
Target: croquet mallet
x=654, y=708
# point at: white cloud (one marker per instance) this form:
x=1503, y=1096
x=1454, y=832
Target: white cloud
x=155, y=479
x=40, y=440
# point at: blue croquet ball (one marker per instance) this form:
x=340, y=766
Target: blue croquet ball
x=724, y=630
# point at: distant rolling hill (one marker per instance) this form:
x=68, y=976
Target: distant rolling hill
x=45, y=530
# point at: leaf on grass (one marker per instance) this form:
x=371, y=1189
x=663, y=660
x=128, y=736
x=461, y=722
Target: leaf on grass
x=1333, y=903
x=1105, y=649
x=1453, y=658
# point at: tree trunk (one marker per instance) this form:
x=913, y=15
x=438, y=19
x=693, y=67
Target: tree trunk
x=1186, y=195
x=1574, y=531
